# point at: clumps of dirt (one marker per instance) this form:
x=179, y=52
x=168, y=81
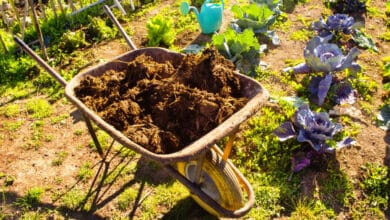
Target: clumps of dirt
x=163, y=108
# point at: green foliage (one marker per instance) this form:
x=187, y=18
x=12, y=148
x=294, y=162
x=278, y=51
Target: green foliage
x=39, y=108
x=335, y=188
x=72, y=40
x=311, y=209
x=10, y=110
x=16, y=68
x=31, y=199
x=98, y=30
x=160, y=31
x=375, y=184
x=363, y=40
x=126, y=198
x=72, y=199
x=261, y=145
x=104, y=139
x=301, y=35
x=85, y=172
x=59, y=159
x=365, y=86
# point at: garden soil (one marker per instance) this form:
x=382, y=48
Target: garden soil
x=164, y=108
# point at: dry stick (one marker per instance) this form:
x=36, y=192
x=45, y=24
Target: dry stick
x=53, y=7
x=61, y=8
x=25, y=14
x=42, y=6
x=72, y=5
x=15, y=12
x=2, y=12
x=38, y=29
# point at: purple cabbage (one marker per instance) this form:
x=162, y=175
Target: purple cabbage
x=334, y=24
x=321, y=56
x=310, y=128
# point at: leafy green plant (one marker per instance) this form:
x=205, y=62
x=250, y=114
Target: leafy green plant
x=39, y=108
x=98, y=30
x=375, y=184
x=10, y=110
x=72, y=40
x=31, y=199
x=160, y=31
x=73, y=199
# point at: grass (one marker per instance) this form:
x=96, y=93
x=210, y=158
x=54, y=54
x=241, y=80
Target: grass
x=11, y=110
x=59, y=159
x=39, y=108
x=31, y=199
x=85, y=171
x=73, y=199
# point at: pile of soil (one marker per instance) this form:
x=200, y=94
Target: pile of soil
x=163, y=108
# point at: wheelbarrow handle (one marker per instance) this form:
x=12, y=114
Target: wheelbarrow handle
x=118, y=25
x=40, y=61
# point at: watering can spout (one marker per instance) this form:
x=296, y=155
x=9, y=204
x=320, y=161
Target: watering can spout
x=209, y=17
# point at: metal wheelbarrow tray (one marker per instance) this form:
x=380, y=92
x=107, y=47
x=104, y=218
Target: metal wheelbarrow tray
x=250, y=89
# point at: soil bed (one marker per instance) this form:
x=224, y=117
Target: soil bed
x=163, y=108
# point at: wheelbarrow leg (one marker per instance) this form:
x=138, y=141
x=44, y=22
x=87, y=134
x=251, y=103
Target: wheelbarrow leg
x=93, y=135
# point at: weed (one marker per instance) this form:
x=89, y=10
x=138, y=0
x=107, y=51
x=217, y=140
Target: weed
x=264, y=148
x=365, y=86
x=124, y=151
x=78, y=132
x=385, y=36
x=335, y=188
x=60, y=119
x=72, y=199
x=375, y=184
x=104, y=139
x=39, y=108
x=301, y=35
x=311, y=209
x=85, y=171
x=59, y=159
x=31, y=199
x=10, y=110
x=126, y=198
x=119, y=171
x=12, y=126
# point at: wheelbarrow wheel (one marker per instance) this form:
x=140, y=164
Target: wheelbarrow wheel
x=217, y=180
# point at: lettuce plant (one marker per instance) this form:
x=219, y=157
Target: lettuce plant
x=321, y=56
x=314, y=129
x=160, y=31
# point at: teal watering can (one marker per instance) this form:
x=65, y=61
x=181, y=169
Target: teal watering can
x=210, y=16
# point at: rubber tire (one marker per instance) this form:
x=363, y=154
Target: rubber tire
x=229, y=194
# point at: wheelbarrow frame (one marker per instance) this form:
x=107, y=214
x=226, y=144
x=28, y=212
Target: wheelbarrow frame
x=250, y=88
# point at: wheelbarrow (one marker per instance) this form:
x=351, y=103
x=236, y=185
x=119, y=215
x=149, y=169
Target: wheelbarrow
x=213, y=180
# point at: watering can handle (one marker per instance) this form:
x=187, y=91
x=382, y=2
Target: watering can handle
x=222, y=3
